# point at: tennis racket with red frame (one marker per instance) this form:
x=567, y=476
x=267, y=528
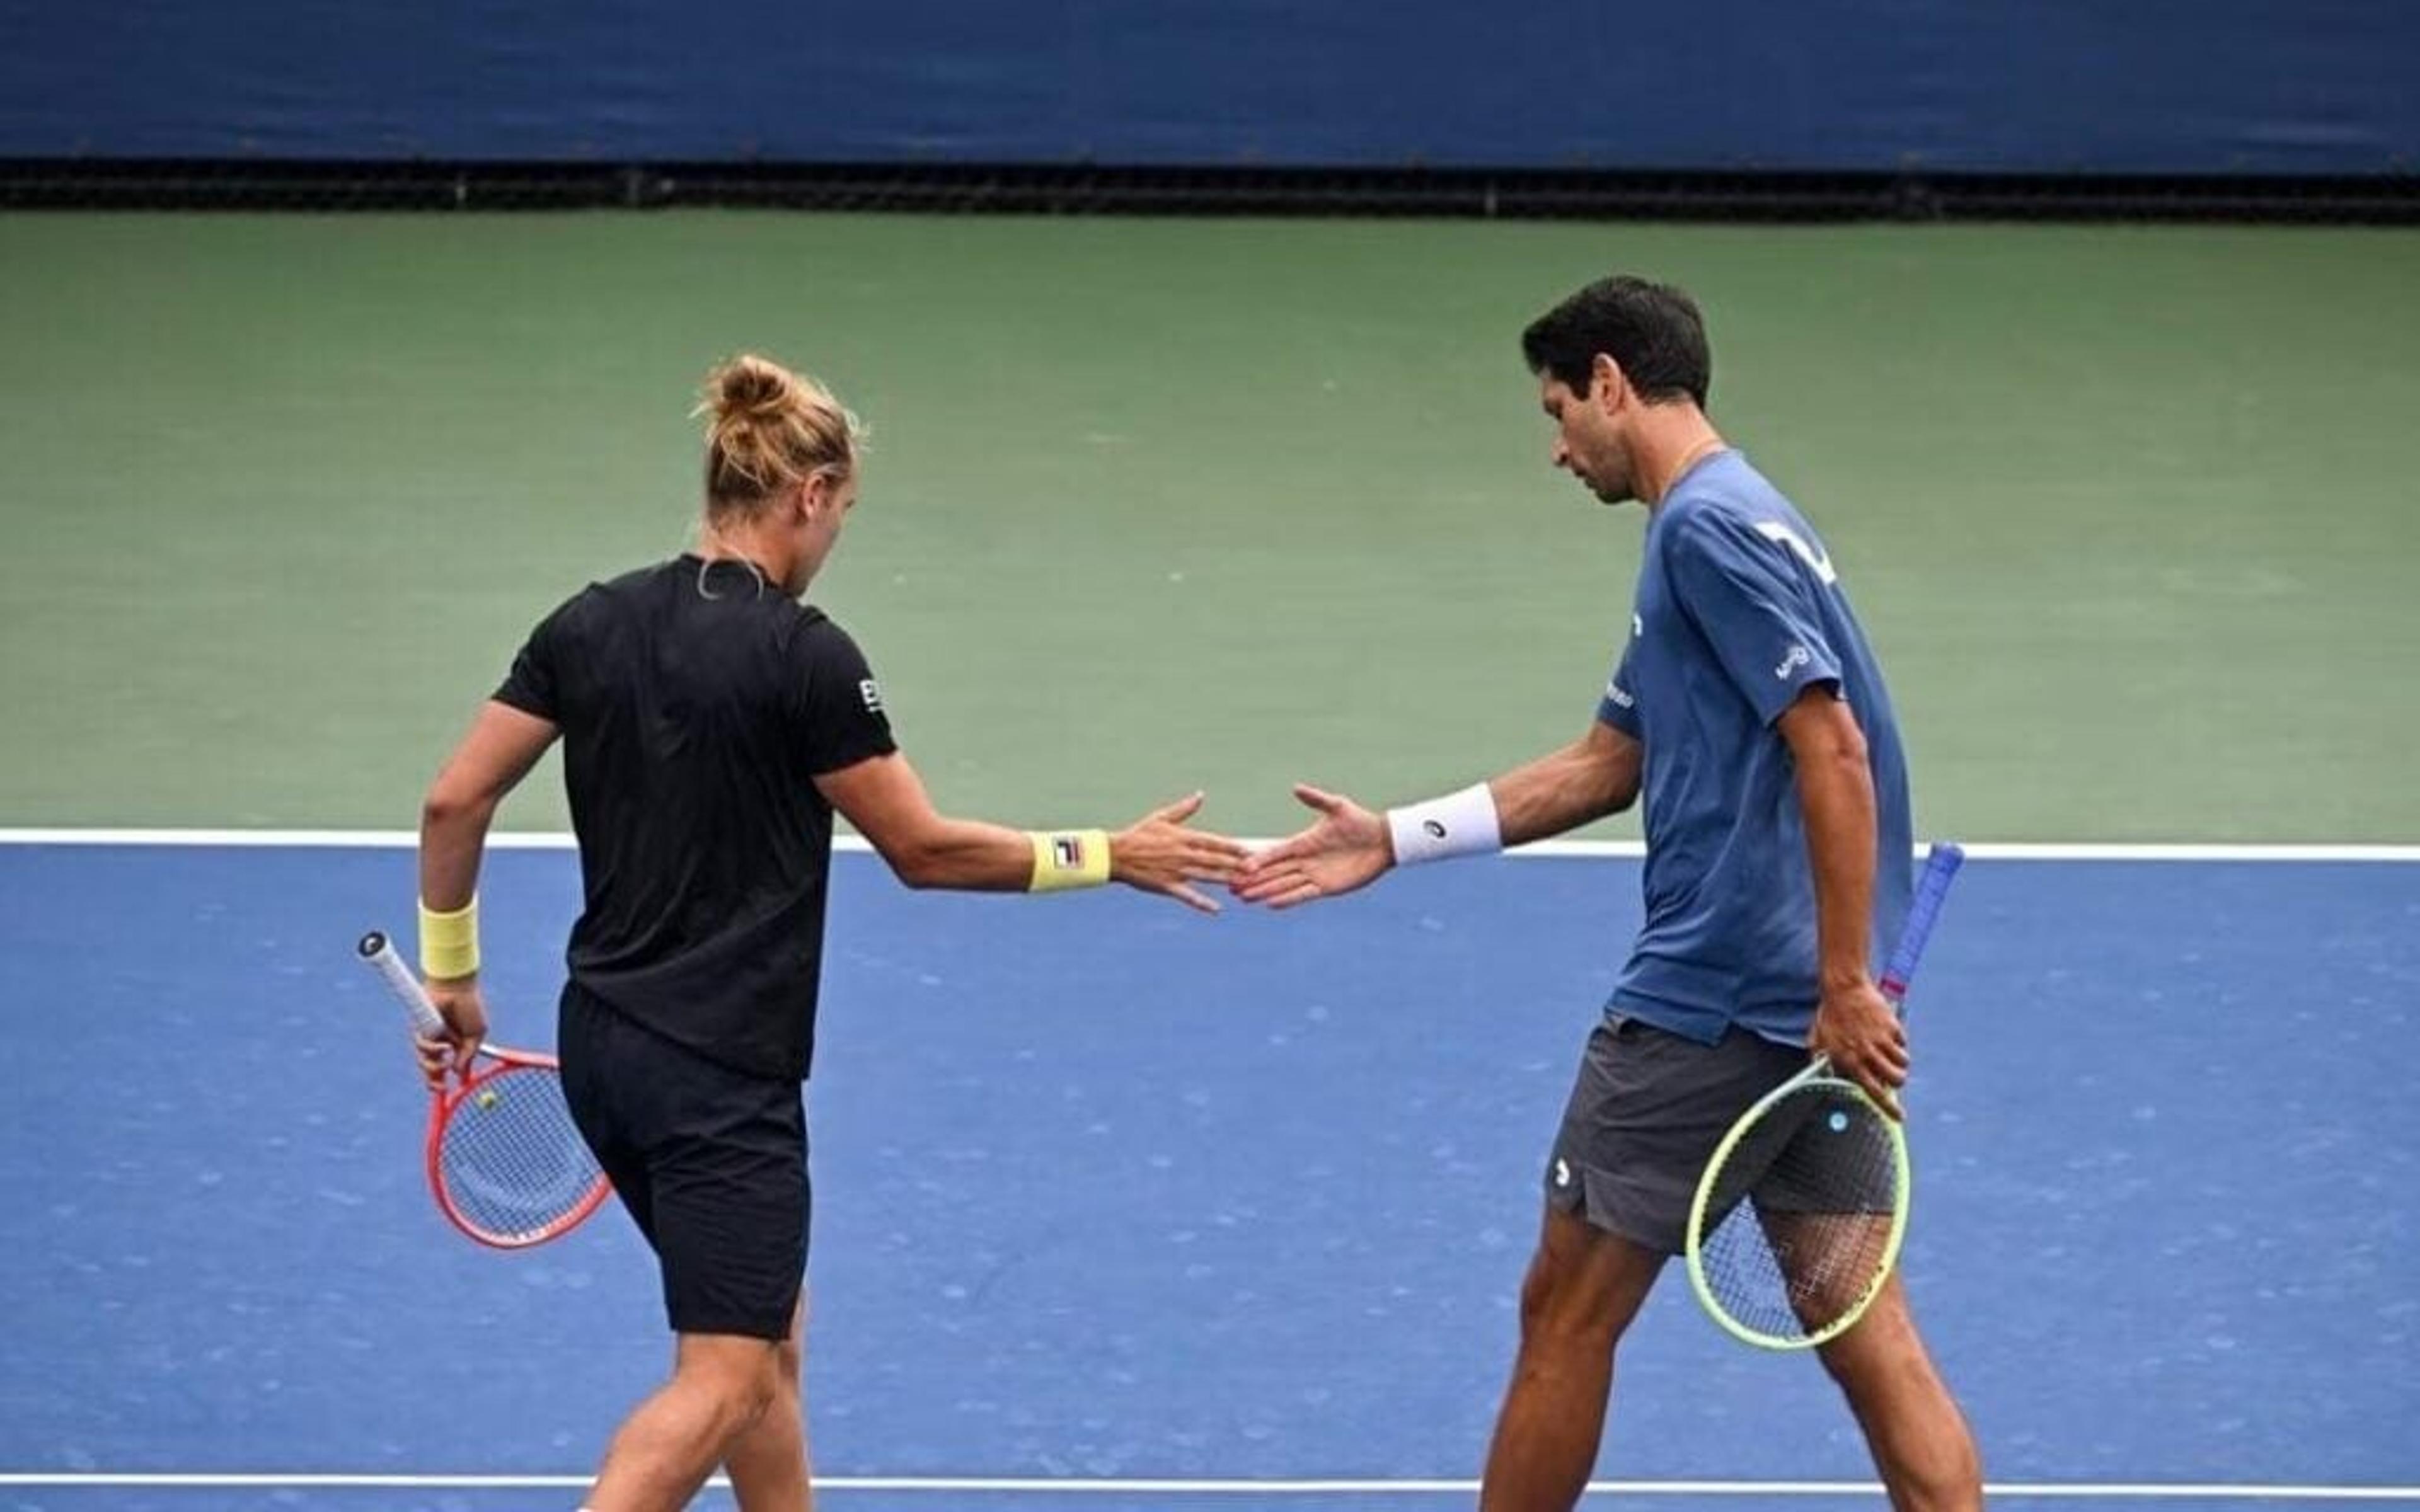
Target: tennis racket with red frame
x=505, y=1163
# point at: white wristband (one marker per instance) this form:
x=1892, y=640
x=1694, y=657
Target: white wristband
x=1459, y=823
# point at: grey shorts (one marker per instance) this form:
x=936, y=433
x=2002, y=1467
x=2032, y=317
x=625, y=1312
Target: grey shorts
x=1645, y=1116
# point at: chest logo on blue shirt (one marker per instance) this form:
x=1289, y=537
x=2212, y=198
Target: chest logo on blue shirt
x=1818, y=562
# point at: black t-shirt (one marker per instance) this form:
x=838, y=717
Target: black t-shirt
x=697, y=706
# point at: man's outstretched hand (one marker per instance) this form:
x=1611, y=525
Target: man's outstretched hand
x=1347, y=848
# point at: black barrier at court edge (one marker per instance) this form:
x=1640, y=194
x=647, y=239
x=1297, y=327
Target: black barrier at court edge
x=76, y=183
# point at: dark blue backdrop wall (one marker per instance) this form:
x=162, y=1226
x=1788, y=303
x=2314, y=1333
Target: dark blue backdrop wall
x=2259, y=86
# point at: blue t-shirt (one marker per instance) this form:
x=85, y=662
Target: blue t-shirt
x=1738, y=611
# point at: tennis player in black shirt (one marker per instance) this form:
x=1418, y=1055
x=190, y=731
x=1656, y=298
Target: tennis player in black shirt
x=711, y=725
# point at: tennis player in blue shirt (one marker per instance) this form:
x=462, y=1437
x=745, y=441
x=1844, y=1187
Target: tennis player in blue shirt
x=1748, y=710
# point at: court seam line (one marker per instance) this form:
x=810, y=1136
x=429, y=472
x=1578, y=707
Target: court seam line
x=1142, y=1486
x=1542, y=849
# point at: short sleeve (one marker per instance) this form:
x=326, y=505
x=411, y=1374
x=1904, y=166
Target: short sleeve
x=1752, y=595
x=534, y=686
x=1618, y=706
x=841, y=715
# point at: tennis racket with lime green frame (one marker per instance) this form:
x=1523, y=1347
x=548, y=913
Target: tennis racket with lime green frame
x=1799, y=1218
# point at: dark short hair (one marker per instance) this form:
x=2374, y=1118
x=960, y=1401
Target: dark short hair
x=1653, y=331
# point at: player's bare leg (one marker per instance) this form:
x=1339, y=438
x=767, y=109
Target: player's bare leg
x=769, y=1461
x=721, y=1384
x=1583, y=1289
x=1827, y=1259
x=1919, y=1439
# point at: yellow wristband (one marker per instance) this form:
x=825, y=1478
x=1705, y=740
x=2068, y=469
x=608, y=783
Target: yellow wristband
x=1069, y=859
x=449, y=943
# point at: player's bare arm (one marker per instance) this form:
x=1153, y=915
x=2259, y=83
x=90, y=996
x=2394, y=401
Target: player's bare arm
x=1593, y=776
x=501, y=745
x=1348, y=847
x=886, y=800
x=1854, y=1024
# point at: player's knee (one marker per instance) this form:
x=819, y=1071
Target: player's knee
x=748, y=1393
x=740, y=1379
x=1559, y=1305
x=1540, y=1296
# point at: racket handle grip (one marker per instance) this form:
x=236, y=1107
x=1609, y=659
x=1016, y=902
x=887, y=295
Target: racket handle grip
x=378, y=953
x=1941, y=866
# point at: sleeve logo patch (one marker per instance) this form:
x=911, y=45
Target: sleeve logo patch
x=1798, y=656
x=871, y=692
x=1819, y=560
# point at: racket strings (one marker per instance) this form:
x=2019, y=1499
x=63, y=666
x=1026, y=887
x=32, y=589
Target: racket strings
x=1801, y=1222
x=511, y=1162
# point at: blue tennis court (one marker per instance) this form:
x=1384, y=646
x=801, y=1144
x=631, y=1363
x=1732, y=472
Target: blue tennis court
x=1120, y=1207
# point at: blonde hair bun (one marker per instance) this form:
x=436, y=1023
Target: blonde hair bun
x=770, y=429
x=749, y=387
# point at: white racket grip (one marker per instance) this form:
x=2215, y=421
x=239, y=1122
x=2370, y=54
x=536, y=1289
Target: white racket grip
x=378, y=952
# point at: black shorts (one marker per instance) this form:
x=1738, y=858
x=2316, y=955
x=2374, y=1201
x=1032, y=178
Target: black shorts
x=712, y=1163
x=1645, y=1116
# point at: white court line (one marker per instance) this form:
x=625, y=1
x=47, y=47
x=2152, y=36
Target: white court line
x=1016, y=1486
x=367, y=840
x=1543, y=850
